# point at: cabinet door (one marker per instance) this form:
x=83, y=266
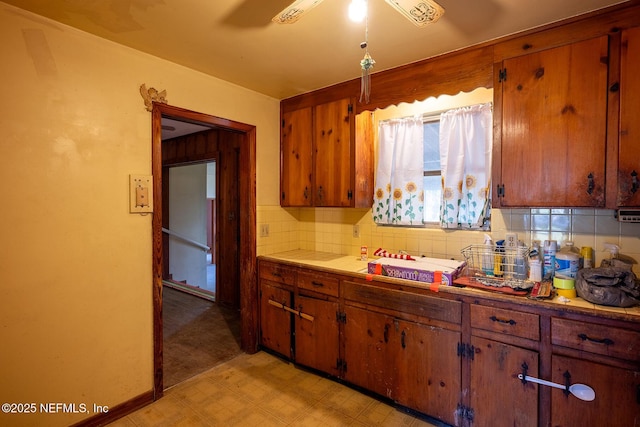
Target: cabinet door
x=366, y=339
x=629, y=155
x=554, y=110
x=617, y=395
x=497, y=397
x=333, y=153
x=427, y=371
x=317, y=340
x=296, y=152
x=275, y=322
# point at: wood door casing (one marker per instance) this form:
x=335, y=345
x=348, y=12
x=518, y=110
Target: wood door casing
x=246, y=183
x=228, y=224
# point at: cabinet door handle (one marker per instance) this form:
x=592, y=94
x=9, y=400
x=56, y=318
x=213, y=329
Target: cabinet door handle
x=320, y=193
x=306, y=192
x=496, y=319
x=634, y=181
x=317, y=284
x=591, y=183
x=605, y=341
x=386, y=333
x=403, y=338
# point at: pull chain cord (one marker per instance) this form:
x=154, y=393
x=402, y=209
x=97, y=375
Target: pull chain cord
x=366, y=64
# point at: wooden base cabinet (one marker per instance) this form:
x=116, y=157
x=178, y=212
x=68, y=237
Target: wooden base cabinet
x=317, y=334
x=617, y=401
x=497, y=397
x=411, y=363
x=275, y=321
x=454, y=357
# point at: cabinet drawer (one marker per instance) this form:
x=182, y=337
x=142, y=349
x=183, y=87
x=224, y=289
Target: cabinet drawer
x=277, y=273
x=600, y=339
x=319, y=283
x=404, y=302
x=525, y=325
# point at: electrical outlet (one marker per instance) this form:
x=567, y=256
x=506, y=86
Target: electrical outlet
x=264, y=230
x=511, y=241
x=356, y=230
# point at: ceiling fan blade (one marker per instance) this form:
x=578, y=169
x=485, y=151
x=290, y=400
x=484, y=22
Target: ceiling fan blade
x=294, y=11
x=420, y=12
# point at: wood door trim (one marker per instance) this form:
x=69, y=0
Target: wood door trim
x=247, y=186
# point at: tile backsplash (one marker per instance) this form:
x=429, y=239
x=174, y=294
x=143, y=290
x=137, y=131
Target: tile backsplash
x=332, y=230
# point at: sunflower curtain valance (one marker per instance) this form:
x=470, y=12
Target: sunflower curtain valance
x=399, y=194
x=465, y=161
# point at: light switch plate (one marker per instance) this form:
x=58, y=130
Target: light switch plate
x=140, y=193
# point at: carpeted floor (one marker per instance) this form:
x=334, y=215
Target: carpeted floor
x=198, y=335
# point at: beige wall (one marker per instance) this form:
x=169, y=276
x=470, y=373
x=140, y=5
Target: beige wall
x=75, y=299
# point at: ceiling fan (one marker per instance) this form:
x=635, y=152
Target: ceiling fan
x=420, y=12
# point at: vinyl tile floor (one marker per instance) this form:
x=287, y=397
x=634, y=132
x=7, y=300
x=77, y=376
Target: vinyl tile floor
x=263, y=390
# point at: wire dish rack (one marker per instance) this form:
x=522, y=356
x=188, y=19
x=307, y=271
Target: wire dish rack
x=496, y=266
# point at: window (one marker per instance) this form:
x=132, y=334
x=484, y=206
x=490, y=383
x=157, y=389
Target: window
x=432, y=180
x=435, y=170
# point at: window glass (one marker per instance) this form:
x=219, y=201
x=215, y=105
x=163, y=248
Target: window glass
x=432, y=180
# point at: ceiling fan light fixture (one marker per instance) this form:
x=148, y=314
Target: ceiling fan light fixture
x=357, y=10
x=420, y=12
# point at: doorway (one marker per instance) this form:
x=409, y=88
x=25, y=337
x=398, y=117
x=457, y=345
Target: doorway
x=241, y=138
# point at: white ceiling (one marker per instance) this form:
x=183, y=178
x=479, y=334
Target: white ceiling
x=236, y=41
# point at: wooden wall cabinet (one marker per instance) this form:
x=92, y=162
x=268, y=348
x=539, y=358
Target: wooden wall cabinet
x=628, y=178
x=324, y=161
x=551, y=146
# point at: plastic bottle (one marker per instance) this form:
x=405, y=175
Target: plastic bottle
x=567, y=262
x=614, y=251
x=521, y=266
x=587, y=257
x=572, y=248
x=535, y=262
x=498, y=259
x=487, y=256
x=549, y=252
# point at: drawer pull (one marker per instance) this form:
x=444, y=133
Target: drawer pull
x=605, y=341
x=276, y=274
x=496, y=319
x=317, y=284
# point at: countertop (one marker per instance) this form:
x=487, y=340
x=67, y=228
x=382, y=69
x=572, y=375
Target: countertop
x=347, y=264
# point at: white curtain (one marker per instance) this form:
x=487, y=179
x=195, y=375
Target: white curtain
x=399, y=194
x=466, y=137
